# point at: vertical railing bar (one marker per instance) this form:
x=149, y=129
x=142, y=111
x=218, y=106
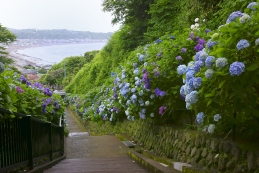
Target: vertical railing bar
x=4, y=143
x=50, y=141
x=1, y=144
x=29, y=144
x=62, y=135
x=11, y=142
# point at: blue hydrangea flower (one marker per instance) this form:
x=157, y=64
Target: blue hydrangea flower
x=190, y=74
x=188, y=106
x=152, y=96
x=221, y=62
x=245, y=18
x=198, y=65
x=191, y=63
x=257, y=42
x=135, y=64
x=133, y=98
x=141, y=57
x=123, y=75
x=210, y=44
x=142, y=116
x=236, y=68
x=232, y=17
x=192, y=97
x=197, y=56
x=145, y=64
x=181, y=69
x=209, y=60
x=209, y=73
x=136, y=78
x=203, y=56
x=128, y=102
x=242, y=44
x=252, y=5
x=188, y=89
x=182, y=90
x=136, y=71
x=200, y=117
x=138, y=82
x=217, y=117
x=133, y=90
x=207, y=30
x=158, y=41
x=197, y=82
x=190, y=82
x=141, y=92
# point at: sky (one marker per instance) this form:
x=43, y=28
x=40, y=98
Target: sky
x=78, y=15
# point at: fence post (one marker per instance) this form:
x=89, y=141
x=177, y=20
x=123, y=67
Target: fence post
x=50, y=141
x=29, y=141
x=234, y=127
x=62, y=135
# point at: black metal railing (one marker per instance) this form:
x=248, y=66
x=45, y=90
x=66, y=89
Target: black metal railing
x=25, y=140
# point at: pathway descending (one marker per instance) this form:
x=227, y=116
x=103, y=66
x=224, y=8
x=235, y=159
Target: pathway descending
x=94, y=154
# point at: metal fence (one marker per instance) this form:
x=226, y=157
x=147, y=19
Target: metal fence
x=25, y=140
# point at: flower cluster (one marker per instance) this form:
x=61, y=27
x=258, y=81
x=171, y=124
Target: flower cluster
x=236, y=68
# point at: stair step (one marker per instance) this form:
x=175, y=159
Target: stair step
x=97, y=165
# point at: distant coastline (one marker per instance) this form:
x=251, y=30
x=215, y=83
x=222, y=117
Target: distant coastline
x=21, y=60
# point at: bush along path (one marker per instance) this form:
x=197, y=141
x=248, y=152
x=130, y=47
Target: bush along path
x=94, y=153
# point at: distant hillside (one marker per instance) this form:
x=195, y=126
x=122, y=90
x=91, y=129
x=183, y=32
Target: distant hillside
x=58, y=34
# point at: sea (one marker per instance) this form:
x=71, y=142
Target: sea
x=49, y=55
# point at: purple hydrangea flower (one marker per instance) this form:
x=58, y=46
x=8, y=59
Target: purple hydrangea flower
x=236, y=68
x=178, y=58
x=207, y=30
x=252, y=5
x=19, y=89
x=183, y=50
x=209, y=60
x=232, y=17
x=162, y=109
x=242, y=44
x=191, y=35
x=181, y=69
x=201, y=41
x=159, y=92
x=198, y=47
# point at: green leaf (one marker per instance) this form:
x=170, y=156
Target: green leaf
x=12, y=116
x=209, y=103
x=252, y=67
x=209, y=95
x=222, y=83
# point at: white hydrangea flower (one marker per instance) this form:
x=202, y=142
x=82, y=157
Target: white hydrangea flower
x=196, y=20
x=152, y=114
x=211, y=128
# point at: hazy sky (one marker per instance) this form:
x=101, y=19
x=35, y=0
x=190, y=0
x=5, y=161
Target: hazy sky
x=79, y=15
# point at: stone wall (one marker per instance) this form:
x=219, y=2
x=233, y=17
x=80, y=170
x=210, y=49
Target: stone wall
x=196, y=148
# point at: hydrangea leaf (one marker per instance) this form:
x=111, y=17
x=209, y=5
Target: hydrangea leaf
x=222, y=83
x=252, y=67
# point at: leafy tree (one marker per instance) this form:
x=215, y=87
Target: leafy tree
x=5, y=38
x=134, y=14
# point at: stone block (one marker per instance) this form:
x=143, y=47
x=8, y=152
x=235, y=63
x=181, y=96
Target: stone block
x=197, y=142
x=188, y=150
x=202, y=163
x=207, y=143
x=179, y=165
x=222, y=164
x=193, y=151
x=203, y=141
x=251, y=161
x=230, y=166
x=204, y=152
x=235, y=152
x=214, y=146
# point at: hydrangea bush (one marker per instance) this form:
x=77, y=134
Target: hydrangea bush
x=229, y=78
x=17, y=94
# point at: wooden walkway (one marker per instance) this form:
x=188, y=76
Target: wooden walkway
x=94, y=154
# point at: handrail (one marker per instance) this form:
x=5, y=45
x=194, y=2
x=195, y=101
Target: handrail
x=24, y=139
